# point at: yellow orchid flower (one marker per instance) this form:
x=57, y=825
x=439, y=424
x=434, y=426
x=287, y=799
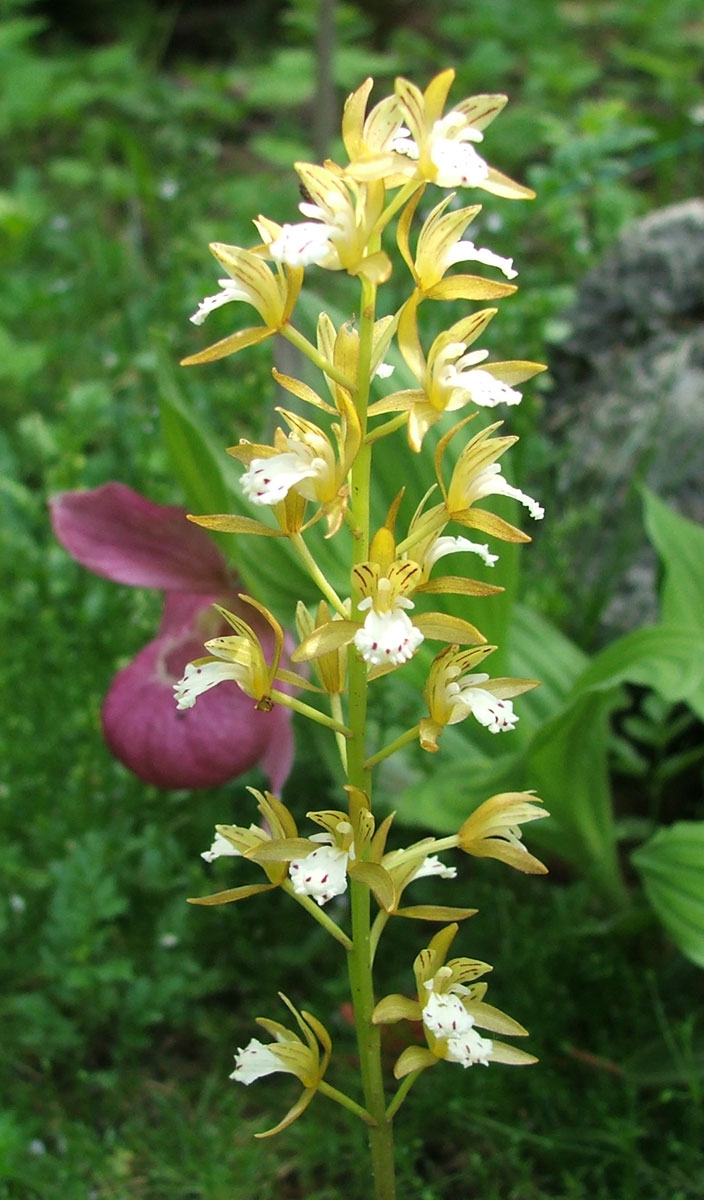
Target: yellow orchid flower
x=240, y=658
x=440, y=246
x=450, y=378
x=272, y=293
x=369, y=137
x=303, y=463
x=476, y=475
x=278, y=826
x=342, y=214
x=290, y=1054
x=387, y=637
x=451, y=1006
x=493, y=830
x=340, y=348
x=442, y=147
x=452, y=695
x=330, y=668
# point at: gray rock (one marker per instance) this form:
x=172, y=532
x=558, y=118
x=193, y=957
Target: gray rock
x=628, y=408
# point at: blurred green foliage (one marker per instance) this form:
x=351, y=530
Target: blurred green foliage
x=120, y=161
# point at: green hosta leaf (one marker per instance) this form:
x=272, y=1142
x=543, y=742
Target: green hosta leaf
x=667, y=658
x=453, y=789
x=680, y=546
x=567, y=765
x=538, y=650
x=207, y=476
x=671, y=865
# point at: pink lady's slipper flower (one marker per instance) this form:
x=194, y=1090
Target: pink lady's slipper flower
x=116, y=533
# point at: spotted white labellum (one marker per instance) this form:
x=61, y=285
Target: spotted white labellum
x=445, y=1016
x=200, y=678
x=387, y=637
x=468, y=696
x=321, y=874
x=468, y=1048
x=269, y=480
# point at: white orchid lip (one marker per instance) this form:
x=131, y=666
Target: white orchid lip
x=457, y=163
x=219, y=849
x=477, y=384
x=231, y=290
x=268, y=481
x=445, y=1016
x=466, y=695
x=445, y=544
x=255, y=1061
x=321, y=874
x=432, y=865
x=466, y=251
x=388, y=637
x=200, y=678
x=303, y=244
x=496, y=715
x=490, y=482
x=469, y=1048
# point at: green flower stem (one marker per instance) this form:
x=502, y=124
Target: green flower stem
x=359, y=957
x=369, y=1045
x=409, y=736
x=380, y=922
x=388, y=427
x=403, y=1090
x=398, y=202
x=301, y=343
x=346, y=1101
x=306, y=711
x=318, y=915
x=336, y=709
x=316, y=574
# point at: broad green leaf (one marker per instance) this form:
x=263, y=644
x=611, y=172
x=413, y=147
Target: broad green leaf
x=671, y=865
x=680, y=546
x=207, y=476
x=538, y=650
x=668, y=659
x=567, y=765
x=453, y=789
